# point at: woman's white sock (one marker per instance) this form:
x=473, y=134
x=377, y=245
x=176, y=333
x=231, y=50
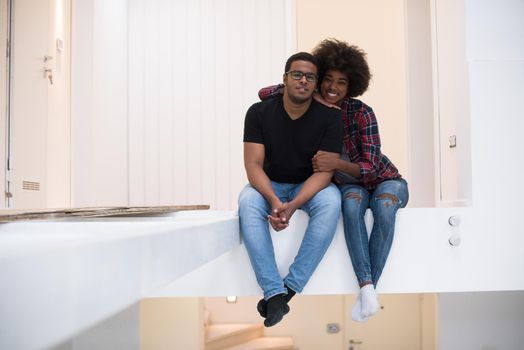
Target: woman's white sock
x=356, y=311
x=368, y=300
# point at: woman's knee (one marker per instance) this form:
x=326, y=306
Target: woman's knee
x=354, y=201
x=392, y=193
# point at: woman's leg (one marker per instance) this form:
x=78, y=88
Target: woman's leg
x=355, y=199
x=388, y=197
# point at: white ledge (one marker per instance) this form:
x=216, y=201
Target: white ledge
x=59, y=278
x=421, y=260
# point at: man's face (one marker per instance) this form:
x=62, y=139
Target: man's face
x=300, y=91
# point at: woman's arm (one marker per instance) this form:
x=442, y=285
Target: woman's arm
x=270, y=91
x=370, y=154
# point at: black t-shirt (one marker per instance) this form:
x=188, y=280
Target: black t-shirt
x=291, y=144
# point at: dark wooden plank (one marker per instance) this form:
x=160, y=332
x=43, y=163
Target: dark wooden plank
x=11, y=215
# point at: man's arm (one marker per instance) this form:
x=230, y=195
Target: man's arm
x=314, y=184
x=254, y=154
x=254, y=162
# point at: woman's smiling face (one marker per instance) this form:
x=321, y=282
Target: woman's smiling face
x=334, y=86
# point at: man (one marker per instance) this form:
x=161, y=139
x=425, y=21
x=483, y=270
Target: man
x=281, y=137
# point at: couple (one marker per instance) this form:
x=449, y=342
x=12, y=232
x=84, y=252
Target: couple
x=302, y=154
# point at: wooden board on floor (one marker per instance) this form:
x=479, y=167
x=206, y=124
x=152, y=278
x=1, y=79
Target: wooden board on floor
x=11, y=215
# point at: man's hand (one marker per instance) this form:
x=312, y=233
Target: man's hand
x=325, y=161
x=280, y=215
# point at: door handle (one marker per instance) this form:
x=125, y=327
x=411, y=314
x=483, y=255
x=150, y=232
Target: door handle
x=48, y=73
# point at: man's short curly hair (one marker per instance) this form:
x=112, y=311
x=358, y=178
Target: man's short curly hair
x=348, y=59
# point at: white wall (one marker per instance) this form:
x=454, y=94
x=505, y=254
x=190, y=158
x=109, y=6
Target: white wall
x=485, y=321
x=59, y=110
x=195, y=67
x=99, y=103
x=450, y=100
x=495, y=53
x=160, y=90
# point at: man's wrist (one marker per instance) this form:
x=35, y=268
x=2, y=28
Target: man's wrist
x=274, y=202
x=294, y=204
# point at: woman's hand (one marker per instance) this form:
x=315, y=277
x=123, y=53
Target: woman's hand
x=325, y=161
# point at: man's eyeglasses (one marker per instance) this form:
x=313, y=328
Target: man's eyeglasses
x=297, y=75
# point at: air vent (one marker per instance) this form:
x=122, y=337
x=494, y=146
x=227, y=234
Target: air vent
x=31, y=186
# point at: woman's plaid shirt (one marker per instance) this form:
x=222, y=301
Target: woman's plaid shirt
x=362, y=144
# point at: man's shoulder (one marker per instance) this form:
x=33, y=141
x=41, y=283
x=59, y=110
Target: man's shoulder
x=319, y=108
x=262, y=106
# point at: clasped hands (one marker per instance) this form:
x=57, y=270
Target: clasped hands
x=280, y=215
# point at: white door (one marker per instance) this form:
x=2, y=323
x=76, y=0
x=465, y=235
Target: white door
x=3, y=98
x=29, y=84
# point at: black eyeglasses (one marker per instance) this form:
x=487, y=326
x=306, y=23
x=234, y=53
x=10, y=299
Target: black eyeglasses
x=297, y=75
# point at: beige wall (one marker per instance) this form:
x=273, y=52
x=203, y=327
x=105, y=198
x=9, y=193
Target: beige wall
x=397, y=326
x=407, y=321
x=379, y=29
x=429, y=321
x=306, y=323
x=171, y=323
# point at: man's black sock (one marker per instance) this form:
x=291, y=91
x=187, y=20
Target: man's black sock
x=290, y=294
x=276, y=309
x=262, y=303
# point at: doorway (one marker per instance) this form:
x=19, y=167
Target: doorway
x=35, y=97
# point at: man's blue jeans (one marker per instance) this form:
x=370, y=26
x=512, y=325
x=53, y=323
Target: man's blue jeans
x=323, y=210
x=369, y=257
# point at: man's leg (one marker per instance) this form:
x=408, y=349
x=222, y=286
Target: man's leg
x=254, y=227
x=324, y=211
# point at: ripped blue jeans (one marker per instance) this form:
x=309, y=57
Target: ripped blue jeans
x=369, y=256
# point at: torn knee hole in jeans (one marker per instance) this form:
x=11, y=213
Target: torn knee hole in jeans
x=393, y=200
x=355, y=196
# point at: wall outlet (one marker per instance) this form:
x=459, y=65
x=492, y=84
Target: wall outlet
x=333, y=328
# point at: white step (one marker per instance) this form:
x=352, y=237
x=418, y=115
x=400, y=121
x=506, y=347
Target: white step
x=221, y=336
x=266, y=343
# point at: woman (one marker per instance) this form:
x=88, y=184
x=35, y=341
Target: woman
x=366, y=177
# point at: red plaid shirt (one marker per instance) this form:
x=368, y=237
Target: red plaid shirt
x=361, y=140
x=362, y=144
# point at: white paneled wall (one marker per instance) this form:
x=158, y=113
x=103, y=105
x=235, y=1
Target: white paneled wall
x=99, y=103
x=159, y=94
x=194, y=69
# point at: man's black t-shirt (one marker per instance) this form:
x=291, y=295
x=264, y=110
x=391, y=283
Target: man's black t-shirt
x=291, y=144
